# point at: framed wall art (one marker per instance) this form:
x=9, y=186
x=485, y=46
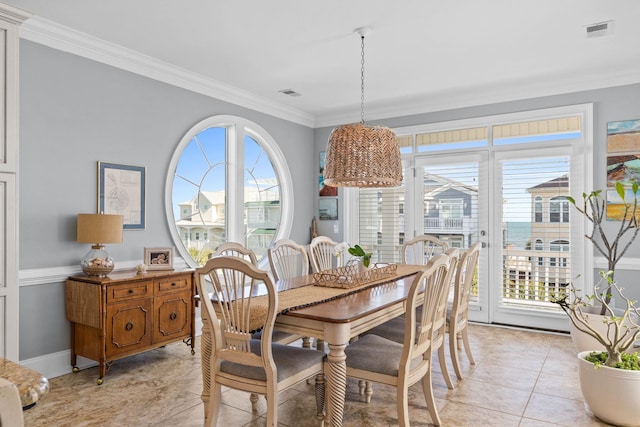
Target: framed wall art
x=121, y=190
x=328, y=209
x=623, y=136
x=325, y=190
x=158, y=258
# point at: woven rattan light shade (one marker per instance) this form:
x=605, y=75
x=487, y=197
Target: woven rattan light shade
x=363, y=156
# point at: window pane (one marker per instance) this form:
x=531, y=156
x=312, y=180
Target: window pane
x=532, y=190
x=537, y=131
x=452, y=139
x=382, y=222
x=262, y=198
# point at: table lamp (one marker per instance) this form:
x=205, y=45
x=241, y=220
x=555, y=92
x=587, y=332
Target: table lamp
x=98, y=229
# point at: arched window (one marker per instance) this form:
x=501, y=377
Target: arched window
x=227, y=181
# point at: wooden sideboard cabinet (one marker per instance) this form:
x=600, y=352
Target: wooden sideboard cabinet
x=127, y=313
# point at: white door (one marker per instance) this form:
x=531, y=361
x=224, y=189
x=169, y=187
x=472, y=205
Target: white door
x=454, y=192
x=501, y=180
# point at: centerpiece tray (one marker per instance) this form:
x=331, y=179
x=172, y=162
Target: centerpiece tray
x=353, y=275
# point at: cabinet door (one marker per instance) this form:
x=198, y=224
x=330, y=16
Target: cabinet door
x=128, y=326
x=172, y=316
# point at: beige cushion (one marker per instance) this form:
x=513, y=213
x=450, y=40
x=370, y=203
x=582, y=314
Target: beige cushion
x=10, y=405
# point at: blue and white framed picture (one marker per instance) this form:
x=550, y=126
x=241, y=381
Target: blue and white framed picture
x=121, y=191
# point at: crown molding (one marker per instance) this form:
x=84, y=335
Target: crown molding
x=13, y=14
x=56, y=36
x=476, y=96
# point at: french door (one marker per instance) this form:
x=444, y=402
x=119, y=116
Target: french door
x=454, y=190
x=503, y=181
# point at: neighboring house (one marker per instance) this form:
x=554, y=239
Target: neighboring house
x=450, y=210
x=202, y=219
x=545, y=265
x=449, y=213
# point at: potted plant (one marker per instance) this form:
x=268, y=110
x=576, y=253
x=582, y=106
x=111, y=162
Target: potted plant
x=609, y=379
x=612, y=247
x=361, y=254
x=609, y=374
x=594, y=208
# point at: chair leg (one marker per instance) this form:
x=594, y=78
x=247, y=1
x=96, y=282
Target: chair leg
x=253, y=398
x=402, y=397
x=272, y=408
x=467, y=346
x=212, y=411
x=429, y=399
x=368, y=392
x=443, y=366
x=306, y=342
x=320, y=391
x=453, y=349
x=361, y=386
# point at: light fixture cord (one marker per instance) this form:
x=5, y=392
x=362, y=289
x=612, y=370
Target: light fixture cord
x=362, y=82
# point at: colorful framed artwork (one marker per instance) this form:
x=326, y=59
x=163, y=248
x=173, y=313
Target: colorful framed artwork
x=615, y=205
x=623, y=136
x=325, y=190
x=121, y=190
x=328, y=209
x=158, y=258
x=623, y=168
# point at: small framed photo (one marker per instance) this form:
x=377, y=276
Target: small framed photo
x=121, y=190
x=158, y=258
x=328, y=209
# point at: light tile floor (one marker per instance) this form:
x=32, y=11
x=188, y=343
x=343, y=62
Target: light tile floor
x=521, y=378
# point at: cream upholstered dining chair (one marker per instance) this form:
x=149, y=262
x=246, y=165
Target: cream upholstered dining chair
x=236, y=359
x=238, y=250
x=421, y=249
x=395, y=329
x=288, y=259
x=325, y=254
x=377, y=359
x=458, y=314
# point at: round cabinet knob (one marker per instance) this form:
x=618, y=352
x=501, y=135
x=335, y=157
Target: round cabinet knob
x=129, y=326
x=173, y=316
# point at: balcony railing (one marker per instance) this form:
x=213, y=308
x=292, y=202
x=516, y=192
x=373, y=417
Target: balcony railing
x=451, y=224
x=535, y=276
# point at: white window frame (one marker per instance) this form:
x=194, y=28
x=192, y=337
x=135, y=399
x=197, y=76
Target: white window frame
x=237, y=128
x=584, y=258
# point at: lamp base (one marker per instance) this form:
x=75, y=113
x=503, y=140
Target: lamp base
x=97, y=262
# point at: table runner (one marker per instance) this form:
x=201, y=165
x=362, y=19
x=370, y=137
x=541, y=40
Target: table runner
x=311, y=295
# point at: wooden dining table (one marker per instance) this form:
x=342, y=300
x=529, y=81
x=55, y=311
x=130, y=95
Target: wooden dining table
x=337, y=321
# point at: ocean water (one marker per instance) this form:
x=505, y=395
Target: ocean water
x=517, y=234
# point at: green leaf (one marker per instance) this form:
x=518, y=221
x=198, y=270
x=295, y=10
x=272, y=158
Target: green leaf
x=620, y=190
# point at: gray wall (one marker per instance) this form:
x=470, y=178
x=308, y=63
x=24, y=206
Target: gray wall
x=75, y=112
x=611, y=104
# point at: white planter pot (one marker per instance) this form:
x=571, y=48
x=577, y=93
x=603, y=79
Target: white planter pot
x=584, y=342
x=610, y=394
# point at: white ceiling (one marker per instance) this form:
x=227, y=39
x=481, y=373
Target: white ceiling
x=422, y=55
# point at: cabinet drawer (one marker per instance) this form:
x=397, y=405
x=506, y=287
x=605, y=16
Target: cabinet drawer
x=126, y=292
x=172, y=284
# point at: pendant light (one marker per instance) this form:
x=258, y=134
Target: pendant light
x=363, y=156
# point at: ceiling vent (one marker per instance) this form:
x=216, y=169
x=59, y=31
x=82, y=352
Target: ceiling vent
x=600, y=29
x=290, y=92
